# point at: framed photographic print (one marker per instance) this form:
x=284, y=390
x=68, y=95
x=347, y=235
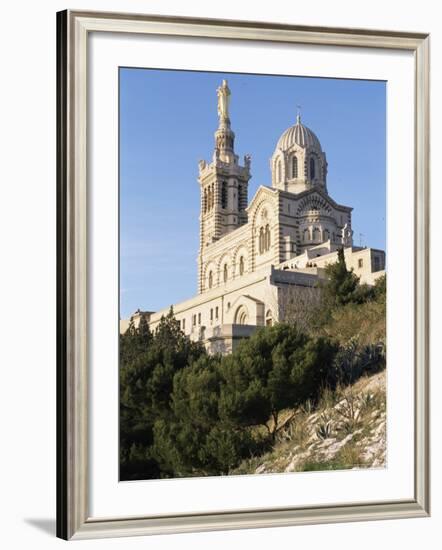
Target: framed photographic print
x=242, y=275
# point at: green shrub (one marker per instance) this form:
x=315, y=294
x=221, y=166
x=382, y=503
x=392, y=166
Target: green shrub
x=184, y=413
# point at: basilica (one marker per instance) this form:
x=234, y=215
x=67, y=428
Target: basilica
x=251, y=253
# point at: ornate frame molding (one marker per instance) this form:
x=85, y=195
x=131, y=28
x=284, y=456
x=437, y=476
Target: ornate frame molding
x=73, y=519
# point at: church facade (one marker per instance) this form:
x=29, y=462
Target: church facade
x=251, y=253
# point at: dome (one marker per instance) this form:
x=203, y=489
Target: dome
x=298, y=135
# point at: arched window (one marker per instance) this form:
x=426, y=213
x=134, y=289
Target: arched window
x=306, y=237
x=225, y=273
x=212, y=202
x=261, y=240
x=269, y=318
x=224, y=194
x=241, y=265
x=279, y=173
x=312, y=168
x=209, y=198
x=316, y=234
x=294, y=167
x=210, y=279
x=267, y=238
x=326, y=235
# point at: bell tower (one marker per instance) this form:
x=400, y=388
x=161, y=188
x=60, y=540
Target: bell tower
x=223, y=184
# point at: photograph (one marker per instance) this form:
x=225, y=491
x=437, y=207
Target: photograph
x=252, y=274
x=243, y=281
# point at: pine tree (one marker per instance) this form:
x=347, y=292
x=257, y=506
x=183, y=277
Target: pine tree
x=148, y=364
x=341, y=284
x=168, y=333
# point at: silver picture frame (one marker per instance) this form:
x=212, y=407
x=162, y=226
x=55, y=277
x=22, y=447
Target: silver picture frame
x=73, y=517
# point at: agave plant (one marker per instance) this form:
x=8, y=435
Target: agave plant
x=350, y=412
x=307, y=407
x=367, y=400
x=324, y=430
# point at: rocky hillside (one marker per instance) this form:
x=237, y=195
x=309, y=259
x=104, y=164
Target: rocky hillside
x=347, y=429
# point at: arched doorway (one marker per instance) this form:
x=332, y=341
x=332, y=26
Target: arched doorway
x=242, y=316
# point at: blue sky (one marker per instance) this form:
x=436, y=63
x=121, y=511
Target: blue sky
x=167, y=122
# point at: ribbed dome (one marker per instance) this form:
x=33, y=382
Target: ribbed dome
x=299, y=135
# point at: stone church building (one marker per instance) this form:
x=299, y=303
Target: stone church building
x=250, y=253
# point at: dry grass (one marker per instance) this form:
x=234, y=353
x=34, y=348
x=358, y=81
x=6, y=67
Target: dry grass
x=341, y=432
x=350, y=456
x=364, y=322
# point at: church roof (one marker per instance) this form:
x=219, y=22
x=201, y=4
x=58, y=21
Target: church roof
x=299, y=135
x=318, y=191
